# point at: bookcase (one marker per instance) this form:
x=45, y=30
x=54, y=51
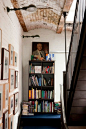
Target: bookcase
x=41, y=86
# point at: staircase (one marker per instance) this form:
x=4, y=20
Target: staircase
x=75, y=75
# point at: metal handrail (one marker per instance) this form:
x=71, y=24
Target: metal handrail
x=63, y=107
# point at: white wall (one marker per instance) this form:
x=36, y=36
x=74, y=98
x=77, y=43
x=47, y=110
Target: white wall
x=11, y=34
x=56, y=45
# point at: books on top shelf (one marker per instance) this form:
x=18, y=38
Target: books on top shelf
x=48, y=69
x=34, y=69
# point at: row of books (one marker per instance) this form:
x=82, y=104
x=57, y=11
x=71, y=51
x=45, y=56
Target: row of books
x=38, y=69
x=45, y=106
x=34, y=81
x=34, y=94
x=47, y=94
x=48, y=69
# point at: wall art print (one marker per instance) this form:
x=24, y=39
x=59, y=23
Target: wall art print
x=11, y=49
x=11, y=80
x=5, y=95
x=16, y=99
x=1, y=101
x=5, y=64
x=5, y=120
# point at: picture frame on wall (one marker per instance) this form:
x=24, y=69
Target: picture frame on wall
x=16, y=99
x=11, y=49
x=10, y=120
x=5, y=64
x=15, y=58
x=5, y=120
x=5, y=95
x=11, y=80
x=40, y=49
x=11, y=104
x=1, y=101
x=16, y=79
x=1, y=125
x=0, y=44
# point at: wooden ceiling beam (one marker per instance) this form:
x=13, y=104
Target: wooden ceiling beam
x=19, y=15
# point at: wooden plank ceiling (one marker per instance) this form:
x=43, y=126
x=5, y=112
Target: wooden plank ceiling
x=43, y=18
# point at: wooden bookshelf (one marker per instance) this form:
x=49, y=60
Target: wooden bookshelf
x=41, y=82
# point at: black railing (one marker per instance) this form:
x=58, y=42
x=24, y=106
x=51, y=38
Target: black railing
x=75, y=46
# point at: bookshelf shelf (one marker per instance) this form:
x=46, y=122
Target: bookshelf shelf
x=41, y=85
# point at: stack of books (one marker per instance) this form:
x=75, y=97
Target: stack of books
x=28, y=108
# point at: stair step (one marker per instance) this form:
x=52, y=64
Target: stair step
x=80, y=95
x=83, y=64
x=78, y=110
x=82, y=75
x=80, y=102
x=81, y=85
x=77, y=127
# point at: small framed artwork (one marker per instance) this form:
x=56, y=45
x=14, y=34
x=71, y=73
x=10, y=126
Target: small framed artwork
x=5, y=95
x=11, y=80
x=5, y=64
x=11, y=104
x=16, y=79
x=0, y=44
x=5, y=120
x=1, y=101
x=10, y=120
x=16, y=98
x=40, y=49
x=1, y=125
x=15, y=56
x=11, y=49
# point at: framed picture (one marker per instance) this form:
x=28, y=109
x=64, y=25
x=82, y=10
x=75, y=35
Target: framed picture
x=16, y=99
x=5, y=120
x=10, y=120
x=0, y=71
x=16, y=79
x=11, y=104
x=1, y=101
x=40, y=49
x=0, y=44
x=15, y=58
x=5, y=95
x=1, y=125
x=11, y=80
x=11, y=49
x=5, y=64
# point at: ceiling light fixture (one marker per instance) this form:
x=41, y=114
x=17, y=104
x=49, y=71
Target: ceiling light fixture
x=33, y=36
x=30, y=8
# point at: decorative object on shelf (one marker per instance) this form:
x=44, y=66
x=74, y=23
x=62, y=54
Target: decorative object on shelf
x=15, y=58
x=39, y=49
x=0, y=71
x=0, y=44
x=50, y=57
x=1, y=125
x=11, y=80
x=1, y=100
x=33, y=36
x=49, y=81
x=57, y=107
x=5, y=120
x=5, y=64
x=16, y=99
x=10, y=122
x=5, y=95
x=37, y=69
x=11, y=104
x=11, y=49
x=16, y=79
